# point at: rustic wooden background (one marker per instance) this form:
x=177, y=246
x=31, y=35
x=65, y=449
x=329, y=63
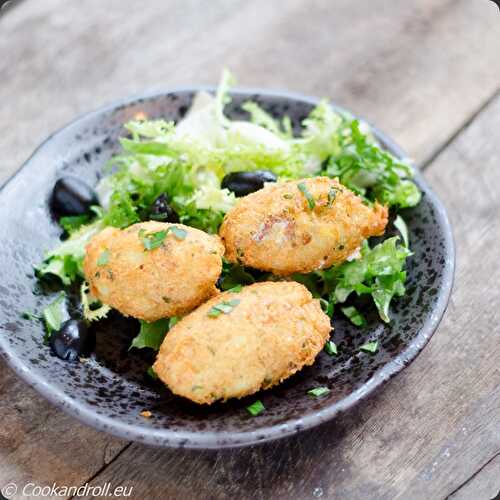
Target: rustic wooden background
x=427, y=73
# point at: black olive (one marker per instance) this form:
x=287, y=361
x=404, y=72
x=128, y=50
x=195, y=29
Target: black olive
x=71, y=196
x=73, y=340
x=243, y=183
x=162, y=211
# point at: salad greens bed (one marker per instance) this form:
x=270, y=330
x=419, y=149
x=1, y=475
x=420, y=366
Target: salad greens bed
x=188, y=161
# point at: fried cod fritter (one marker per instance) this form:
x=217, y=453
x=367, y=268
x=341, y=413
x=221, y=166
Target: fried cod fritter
x=299, y=226
x=238, y=343
x=153, y=270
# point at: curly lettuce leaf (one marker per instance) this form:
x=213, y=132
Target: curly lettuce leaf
x=55, y=314
x=188, y=160
x=93, y=309
x=262, y=118
x=65, y=261
x=379, y=272
x=367, y=169
x=152, y=334
x=321, y=134
x=72, y=223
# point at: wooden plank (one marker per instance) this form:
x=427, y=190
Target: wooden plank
x=40, y=444
x=423, y=435
x=484, y=484
x=402, y=65
x=411, y=67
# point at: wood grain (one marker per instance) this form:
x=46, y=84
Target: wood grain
x=40, y=443
x=424, y=434
x=484, y=483
x=419, y=70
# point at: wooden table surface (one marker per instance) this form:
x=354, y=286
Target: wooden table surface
x=428, y=74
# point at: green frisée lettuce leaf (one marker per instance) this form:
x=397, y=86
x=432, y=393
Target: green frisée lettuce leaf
x=400, y=225
x=93, y=309
x=152, y=334
x=379, y=272
x=71, y=223
x=321, y=134
x=54, y=314
x=262, y=118
x=187, y=161
x=65, y=261
x=363, y=166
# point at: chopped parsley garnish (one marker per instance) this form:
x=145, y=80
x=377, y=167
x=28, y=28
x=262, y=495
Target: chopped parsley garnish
x=178, y=232
x=225, y=307
x=354, y=315
x=331, y=348
x=235, y=289
x=317, y=392
x=256, y=408
x=370, y=347
x=103, y=259
x=309, y=197
x=332, y=194
x=152, y=240
x=155, y=240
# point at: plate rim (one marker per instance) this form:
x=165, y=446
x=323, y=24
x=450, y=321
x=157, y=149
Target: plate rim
x=164, y=437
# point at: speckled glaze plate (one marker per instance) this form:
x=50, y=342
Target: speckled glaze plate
x=111, y=389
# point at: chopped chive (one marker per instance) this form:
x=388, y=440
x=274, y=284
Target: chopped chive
x=235, y=289
x=370, y=347
x=288, y=196
x=318, y=391
x=309, y=197
x=178, y=232
x=354, y=315
x=155, y=240
x=256, y=408
x=151, y=241
x=225, y=307
x=103, y=259
x=331, y=348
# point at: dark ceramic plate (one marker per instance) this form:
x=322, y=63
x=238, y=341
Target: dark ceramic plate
x=112, y=388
